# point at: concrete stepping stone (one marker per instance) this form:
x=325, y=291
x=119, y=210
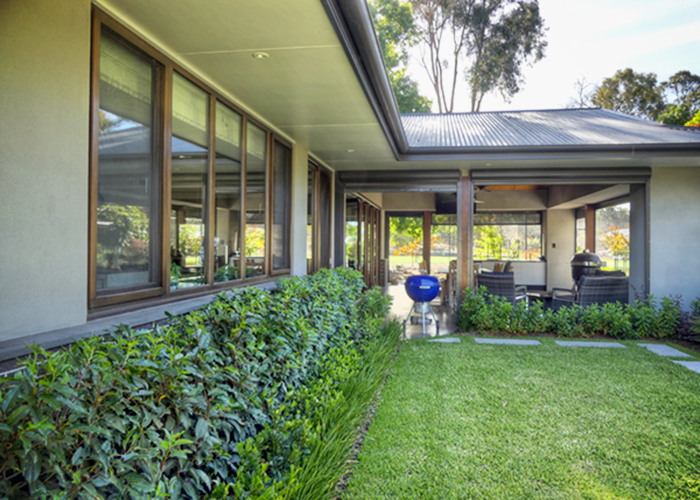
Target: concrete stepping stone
x=664, y=350
x=690, y=365
x=577, y=343
x=447, y=340
x=507, y=341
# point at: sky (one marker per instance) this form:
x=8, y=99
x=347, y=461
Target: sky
x=592, y=39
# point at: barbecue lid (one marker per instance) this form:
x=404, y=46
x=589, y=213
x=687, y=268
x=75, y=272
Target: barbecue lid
x=586, y=259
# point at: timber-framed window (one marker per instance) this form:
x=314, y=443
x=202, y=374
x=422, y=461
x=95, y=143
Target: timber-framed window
x=318, y=226
x=187, y=194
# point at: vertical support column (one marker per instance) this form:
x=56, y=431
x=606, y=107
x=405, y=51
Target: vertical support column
x=300, y=186
x=590, y=228
x=426, y=240
x=339, y=218
x=639, y=239
x=465, y=216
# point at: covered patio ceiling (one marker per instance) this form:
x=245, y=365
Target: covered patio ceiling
x=323, y=85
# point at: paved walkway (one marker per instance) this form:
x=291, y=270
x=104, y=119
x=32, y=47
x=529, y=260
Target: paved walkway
x=402, y=304
x=660, y=349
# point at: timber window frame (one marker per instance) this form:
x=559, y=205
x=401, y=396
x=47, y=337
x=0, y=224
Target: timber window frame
x=319, y=217
x=161, y=166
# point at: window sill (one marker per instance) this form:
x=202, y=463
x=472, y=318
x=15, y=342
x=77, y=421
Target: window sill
x=133, y=315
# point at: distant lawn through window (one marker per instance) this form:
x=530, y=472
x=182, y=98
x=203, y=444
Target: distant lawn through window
x=468, y=421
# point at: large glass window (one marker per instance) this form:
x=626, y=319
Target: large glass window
x=227, y=232
x=225, y=216
x=443, y=242
x=281, y=201
x=580, y=234
x=129, y=181
x=507, y=235
x=613, y=236
x=351, y=234
x=190, y=160
x=255, y=201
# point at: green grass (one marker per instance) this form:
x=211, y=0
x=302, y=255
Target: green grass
x=462, y=421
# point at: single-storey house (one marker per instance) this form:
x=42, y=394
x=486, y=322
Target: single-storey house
x=155, y=153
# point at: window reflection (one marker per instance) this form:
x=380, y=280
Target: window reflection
x=128, y=241
x=256, y=181
x=227, y=236
x=188, y=233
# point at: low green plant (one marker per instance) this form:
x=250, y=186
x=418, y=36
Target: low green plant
x=645, y=318
x=223, y=402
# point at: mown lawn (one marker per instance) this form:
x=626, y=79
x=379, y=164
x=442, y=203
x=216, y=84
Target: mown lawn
x=460, y=421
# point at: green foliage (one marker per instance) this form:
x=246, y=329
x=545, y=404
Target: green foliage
x=492, y=39
x=223, y=402
x=695, y=122
x=676, y=115
x=393, y=21
x=632, y=93
x=493, y=315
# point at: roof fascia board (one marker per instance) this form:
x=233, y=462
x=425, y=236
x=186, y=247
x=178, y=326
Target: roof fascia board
x=626, y=151
x=634, y=175
x=352, y=23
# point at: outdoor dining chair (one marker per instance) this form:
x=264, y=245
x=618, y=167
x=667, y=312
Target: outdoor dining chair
x=502, y=284
x=593, y=290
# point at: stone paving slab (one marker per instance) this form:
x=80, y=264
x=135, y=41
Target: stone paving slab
x=577, y=343
x=507, y=341
x=664, y=350
x=690, y=365
x=446, y=340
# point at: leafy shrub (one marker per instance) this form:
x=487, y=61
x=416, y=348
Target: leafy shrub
x=221, y=402
x=490, y=314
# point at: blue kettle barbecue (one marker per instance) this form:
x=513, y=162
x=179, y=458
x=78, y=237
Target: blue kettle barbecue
x=422, y=289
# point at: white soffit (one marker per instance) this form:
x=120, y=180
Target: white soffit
x=306, y=88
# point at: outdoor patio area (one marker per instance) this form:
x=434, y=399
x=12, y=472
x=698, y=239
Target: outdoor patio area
x=402, y=305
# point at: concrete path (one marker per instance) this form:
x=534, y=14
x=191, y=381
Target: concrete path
x=664, y=350
x=690, y=365
x=448, y=340
x=507, y=341
x=576, y=343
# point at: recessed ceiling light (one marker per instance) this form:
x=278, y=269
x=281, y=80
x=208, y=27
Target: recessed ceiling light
x=261, y=55
x=351, y=150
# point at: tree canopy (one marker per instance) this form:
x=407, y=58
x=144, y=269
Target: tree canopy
x=632, y=93
x=673, y=102
x=490, y=39
x=396, y=30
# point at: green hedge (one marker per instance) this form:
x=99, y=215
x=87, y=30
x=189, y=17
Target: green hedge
x=645, y=318
x=221, y=402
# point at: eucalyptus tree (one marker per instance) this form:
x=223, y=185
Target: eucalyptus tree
x=489, y=40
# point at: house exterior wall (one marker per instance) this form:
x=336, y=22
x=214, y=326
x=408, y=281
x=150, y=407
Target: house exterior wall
x=45, y=78
x=410, y=202
x=44, y=172
x=675, y=232
x=559, y=246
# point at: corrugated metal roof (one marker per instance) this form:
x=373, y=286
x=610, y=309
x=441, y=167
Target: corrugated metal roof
x=560, y=127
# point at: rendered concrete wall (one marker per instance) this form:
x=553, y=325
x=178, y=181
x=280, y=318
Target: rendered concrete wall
x=300, y=179
x=414, y=202
x=559, y=247
x=517, y=199
x=44, y=97
x=675, y=232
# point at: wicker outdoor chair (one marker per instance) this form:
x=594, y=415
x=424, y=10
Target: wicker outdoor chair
x=502, y=284
x=593, y=290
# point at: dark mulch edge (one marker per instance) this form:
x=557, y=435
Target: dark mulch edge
x=362, y=431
